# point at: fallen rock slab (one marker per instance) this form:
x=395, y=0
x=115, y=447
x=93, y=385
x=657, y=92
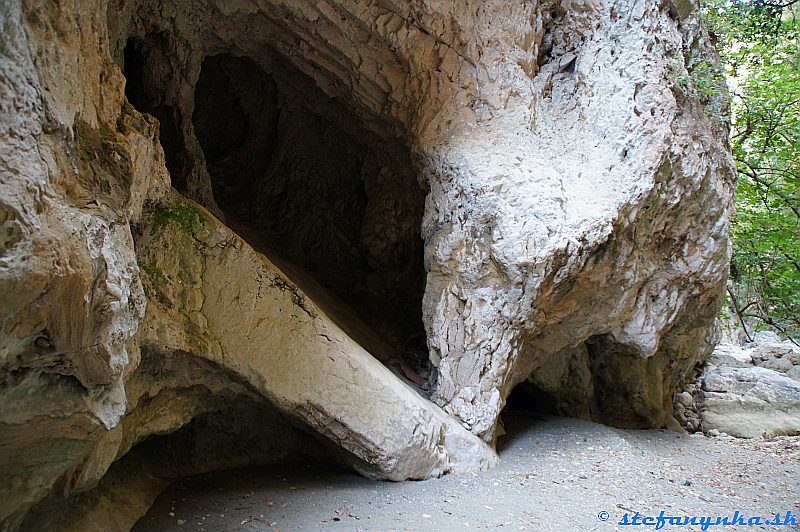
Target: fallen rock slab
x=749, y=402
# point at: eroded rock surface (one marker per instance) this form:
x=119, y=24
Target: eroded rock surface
x=566, y=242
x=476, y=194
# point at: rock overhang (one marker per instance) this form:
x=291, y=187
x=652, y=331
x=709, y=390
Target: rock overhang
x=574, y=223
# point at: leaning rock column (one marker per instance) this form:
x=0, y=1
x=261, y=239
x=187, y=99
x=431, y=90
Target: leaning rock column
x=223, y=302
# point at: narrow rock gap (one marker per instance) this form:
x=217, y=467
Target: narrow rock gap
x=146, y=67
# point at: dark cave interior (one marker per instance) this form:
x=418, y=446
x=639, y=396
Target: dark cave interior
x=303, y=180
x=527, y=399
x=146, y=65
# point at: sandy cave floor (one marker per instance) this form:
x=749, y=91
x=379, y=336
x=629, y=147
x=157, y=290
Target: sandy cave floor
x=555, y=474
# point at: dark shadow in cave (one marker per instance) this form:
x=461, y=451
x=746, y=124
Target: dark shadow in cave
x=619, y=378
x=329, y=196
x=600, y=379
x=243, y=434
x=147, y=71
x=527, y=399
x=526, y=405
x=232, y=426
x=334, y=204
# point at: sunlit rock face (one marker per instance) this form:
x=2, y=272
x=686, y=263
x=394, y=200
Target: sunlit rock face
x=341, y=230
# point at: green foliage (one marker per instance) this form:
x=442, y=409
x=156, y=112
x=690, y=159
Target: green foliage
x=184, y=215
x=705, y=79
x=703, y=82
x=707, y=84
x=743, y=23
x=155, y=276
x=758, y=41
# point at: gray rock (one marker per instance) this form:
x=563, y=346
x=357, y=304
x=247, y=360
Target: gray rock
x=781, y=365
x=685, y=398
x=776, y=355
x=782, y=349
x=731, y=356
x=749, y=402
x=508, y=295
x=685, y=411
x=764, y=337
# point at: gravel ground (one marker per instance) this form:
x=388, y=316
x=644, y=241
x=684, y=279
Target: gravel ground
x=555, y=474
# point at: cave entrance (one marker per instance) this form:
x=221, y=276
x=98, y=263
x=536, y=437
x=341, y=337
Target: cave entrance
x=335, y=204
x=529, y=400
x=600, y=379
x=328, y=192
x=526, y=406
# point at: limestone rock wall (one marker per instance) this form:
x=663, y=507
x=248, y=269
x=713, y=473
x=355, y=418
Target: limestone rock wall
x=573, y=231
x=580, y=114
x=77, y=164
x=581, y=239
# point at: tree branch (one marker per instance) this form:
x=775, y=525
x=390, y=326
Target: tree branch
x=738, y=313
